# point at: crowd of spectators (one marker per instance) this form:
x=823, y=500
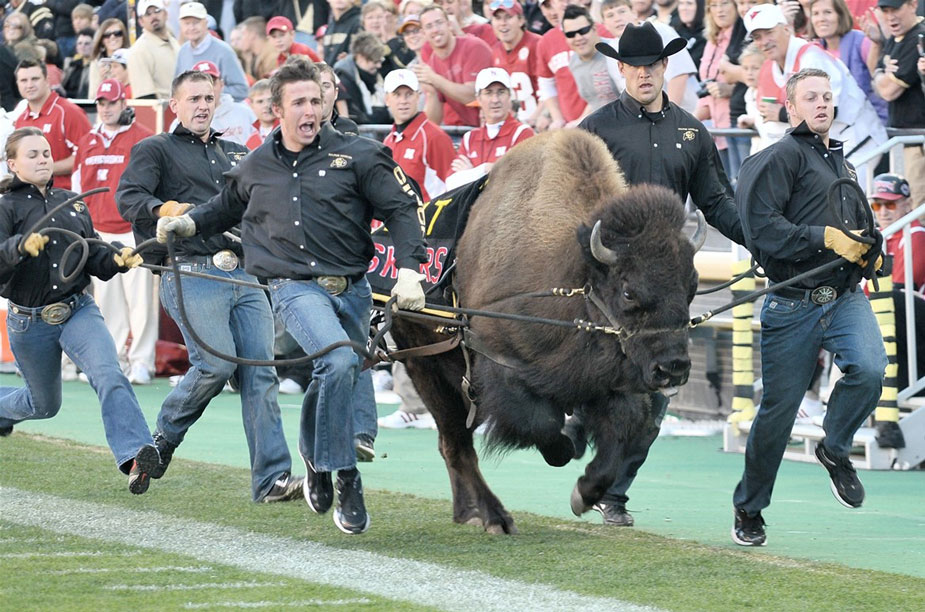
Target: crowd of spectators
x=415, y=65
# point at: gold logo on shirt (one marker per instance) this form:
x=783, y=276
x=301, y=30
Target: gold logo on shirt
x=79, y=206
x=339, y=162
x=689, y=135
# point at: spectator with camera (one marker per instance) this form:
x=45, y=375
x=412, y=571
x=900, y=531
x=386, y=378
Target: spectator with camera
x=899, y=80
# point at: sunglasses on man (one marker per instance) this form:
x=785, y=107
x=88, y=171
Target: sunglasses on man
x=579, y=31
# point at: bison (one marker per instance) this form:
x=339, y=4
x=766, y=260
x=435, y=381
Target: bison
x=556, y=213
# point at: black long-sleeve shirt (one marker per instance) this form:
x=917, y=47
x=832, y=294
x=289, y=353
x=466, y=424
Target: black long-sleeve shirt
x=176, y=166
x=311, y=216
x=669, y=148
x=34, y=281
x=781, y=196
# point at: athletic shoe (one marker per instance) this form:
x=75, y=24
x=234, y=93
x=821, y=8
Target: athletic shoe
x=407, y=420
x=317, y=489
x=287, y=386
x=165, y=449
x=139, y=375
x=614, y=514
x=350, y=515
x=363, y=443
x=889, y=435
x=748, y=530
x=139, y=477
x=286, y=488
x=82, y=377
x=382, y=380
x=845, y=485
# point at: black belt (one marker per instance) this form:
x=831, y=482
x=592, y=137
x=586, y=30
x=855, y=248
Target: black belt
x=53, y=314
x=226, y=260
x=822, y=294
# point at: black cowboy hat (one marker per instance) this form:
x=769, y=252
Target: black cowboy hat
x=641, y=46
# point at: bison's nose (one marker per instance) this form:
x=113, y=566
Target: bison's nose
x=673, y=372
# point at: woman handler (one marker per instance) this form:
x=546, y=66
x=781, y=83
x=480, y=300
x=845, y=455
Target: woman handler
x=47, y=314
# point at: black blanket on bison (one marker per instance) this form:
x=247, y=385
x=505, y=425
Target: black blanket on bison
x=445, y=219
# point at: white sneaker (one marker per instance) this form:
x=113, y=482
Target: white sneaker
x=175, y=379
x=407, y=420
x=287, y=386
x=139, y=375
x=68, y=371
x=82, y=377
x=810, y=409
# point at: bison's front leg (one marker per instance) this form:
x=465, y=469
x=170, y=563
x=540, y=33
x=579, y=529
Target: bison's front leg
x=615, y=425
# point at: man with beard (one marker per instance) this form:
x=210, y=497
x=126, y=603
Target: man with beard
x=154, y=55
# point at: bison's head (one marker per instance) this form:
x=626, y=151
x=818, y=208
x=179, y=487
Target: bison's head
x=641, y=266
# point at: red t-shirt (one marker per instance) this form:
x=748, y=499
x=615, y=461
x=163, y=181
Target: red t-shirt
x=894, y=247
x=63, y=124
x=424, y=152
x=100, y=163
x=297, y=49
x=554, y=55
x=483, y=31
x=480, y=149
x=469, y=56
x=523, y=64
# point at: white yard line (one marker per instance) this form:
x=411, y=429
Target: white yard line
x=418, y=582
x=307, y=603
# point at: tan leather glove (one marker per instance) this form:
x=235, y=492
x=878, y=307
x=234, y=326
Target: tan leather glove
x=408, y=289
x=172, y=208
x=182, y=226
x=877, y=266
x=850, y=249
x=35, y=243
x=127, y=258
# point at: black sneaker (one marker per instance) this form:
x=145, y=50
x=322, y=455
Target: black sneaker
x=139, y=477
x=748, y=530
x=165, y=450
x=889, y=435
x=845, y=485
x=350, y=515
x=614, y=514
x=363, y=443
x=5, y=431
x=317, y=489
x=286, y=488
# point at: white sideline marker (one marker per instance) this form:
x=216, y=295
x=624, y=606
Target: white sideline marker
x=423, y=583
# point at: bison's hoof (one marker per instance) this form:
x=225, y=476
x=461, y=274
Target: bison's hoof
x=577, y=502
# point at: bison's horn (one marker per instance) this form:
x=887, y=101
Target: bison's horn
x=601, y=253
x=700, y=234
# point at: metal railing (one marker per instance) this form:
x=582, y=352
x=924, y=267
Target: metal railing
x=904, y=225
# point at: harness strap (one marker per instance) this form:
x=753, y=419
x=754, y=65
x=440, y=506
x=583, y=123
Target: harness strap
x=444, y=346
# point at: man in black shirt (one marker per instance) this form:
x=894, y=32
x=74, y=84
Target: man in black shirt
x=188, y=165
x=655, y=141
x=305, y=200
x=790, y=228
x=898, y=81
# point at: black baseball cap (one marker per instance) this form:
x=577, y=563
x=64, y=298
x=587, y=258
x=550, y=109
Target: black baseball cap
x=890, y=187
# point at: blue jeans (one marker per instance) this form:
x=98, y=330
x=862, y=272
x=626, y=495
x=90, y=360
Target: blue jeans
x=635, y=452
x=234, y=320
x=317, y=319
x=792, y=332
x=37, y=347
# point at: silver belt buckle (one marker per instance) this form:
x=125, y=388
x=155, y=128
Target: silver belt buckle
x=57, y=313
x=823, y=295
x=225, y=260
x=335, y=285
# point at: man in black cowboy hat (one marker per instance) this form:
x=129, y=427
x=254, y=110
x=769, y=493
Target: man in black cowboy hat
x=656, y=141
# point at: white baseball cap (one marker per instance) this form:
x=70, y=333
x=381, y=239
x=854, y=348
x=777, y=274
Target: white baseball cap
x=764, y=17
x=193, y=9
x=401, y=78
x=491, y=75
x=143, y=5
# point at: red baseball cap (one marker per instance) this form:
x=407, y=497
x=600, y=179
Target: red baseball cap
x=890, y=187
x=279, y=23
x=111, y=90
x=207, y=67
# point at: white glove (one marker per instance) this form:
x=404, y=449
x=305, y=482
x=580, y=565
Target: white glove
x=182, y=227
x=408, y=289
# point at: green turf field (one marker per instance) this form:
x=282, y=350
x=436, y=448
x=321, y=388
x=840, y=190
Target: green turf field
x=68, y=500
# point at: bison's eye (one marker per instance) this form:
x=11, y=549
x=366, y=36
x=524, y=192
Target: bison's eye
x=629, y=295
